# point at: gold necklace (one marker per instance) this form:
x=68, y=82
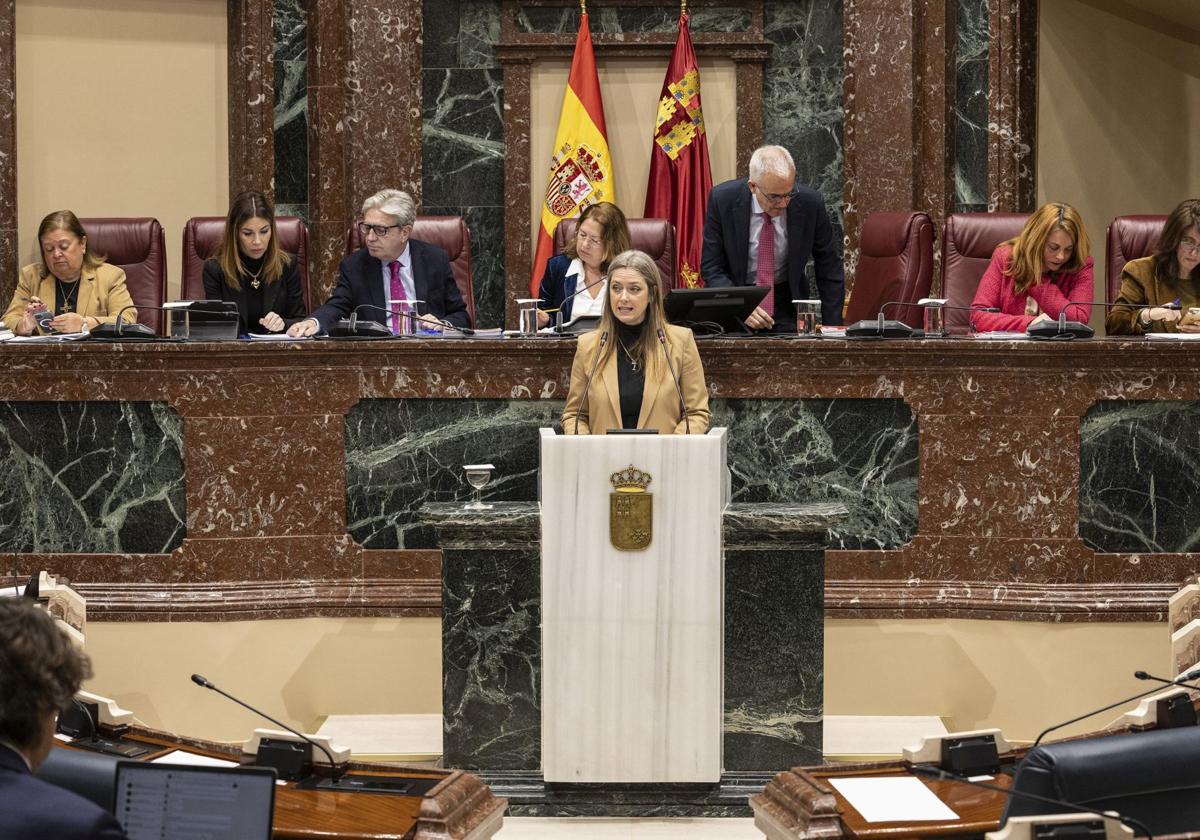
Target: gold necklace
x=632, y=361
x=65, y=290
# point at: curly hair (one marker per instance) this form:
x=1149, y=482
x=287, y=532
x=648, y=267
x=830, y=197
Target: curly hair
x=40, y=669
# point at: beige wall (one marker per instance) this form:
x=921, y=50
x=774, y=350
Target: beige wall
x=296, y=670
x=1118, y=114
x=630, y=88
x=121, y=111
x=1015, y=675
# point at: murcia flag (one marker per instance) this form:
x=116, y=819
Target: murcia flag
x=680, y=178
x=581, y=168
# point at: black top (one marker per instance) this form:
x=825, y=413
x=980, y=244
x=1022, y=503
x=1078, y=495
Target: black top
x=66, y=297
x=630, y=383
x=284, y=297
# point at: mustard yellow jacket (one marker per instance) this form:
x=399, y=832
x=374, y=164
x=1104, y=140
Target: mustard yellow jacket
x=102, y=294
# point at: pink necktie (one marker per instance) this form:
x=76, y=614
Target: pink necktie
x=765, y=274
x=397, y=294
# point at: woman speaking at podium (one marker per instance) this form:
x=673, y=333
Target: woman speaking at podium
x=625, y=372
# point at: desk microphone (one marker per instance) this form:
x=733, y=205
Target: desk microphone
x=131, y=331
x=203, y=683
x=662, y=339
x=1182, y=681
x=588, y=384
x=352, y=327
x=575, y=293
x=878, y=327
x=1062, y=329
x=939, y=773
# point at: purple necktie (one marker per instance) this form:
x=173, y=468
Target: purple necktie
x=765, y=274
x=397, y=294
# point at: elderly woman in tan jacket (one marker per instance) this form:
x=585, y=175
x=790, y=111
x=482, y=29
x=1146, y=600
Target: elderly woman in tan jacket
x=632, y=386
x=1171, y=275
x=71, y=283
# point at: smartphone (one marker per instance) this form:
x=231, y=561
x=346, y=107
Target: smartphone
x=43, y=318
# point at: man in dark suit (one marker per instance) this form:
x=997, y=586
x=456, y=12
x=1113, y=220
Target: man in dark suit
x=392, y=266
x=40, y=671
x=763, y=230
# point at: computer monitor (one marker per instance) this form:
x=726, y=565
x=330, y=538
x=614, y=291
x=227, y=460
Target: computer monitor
x=724, y=306
x=178, y=802
x=1151, y=776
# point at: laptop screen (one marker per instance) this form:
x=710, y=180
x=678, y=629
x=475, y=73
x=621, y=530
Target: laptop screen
x=173, y=802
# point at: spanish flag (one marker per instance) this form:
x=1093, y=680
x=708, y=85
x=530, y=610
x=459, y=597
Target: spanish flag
x=581, y=168
x=680, y=177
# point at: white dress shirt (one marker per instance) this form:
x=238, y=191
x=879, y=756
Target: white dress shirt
x=587, y=303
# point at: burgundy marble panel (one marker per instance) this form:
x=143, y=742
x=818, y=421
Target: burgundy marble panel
x=8, y=149
x=251, y=97
x=518, y=235
x=261, y=477
x=1012, y=105
x=898, y=126
x=383, y=79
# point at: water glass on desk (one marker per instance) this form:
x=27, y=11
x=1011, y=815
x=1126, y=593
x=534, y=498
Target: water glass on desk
x=808, y=317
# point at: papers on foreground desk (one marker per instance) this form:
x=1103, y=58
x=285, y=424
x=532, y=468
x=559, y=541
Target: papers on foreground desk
x=892, y=798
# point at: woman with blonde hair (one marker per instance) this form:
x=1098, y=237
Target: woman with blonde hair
x=629, y=359
x=71, y=283
x=1033, y=277
x=1171, y=275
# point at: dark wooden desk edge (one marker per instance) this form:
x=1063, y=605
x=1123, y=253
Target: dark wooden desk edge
x=460, y=806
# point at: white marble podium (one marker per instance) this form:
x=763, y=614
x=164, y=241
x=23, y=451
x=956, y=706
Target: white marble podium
x=632, y=639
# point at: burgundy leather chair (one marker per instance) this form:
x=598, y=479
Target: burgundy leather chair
x=654, y=236
x=1128, y=238
x=451, y=235
x=138, y=247
x=202, y=237
x=967, y=245
x=895, y=263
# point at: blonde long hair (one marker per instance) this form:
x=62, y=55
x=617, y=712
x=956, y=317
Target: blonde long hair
x=644, y=350
x=1027, y=265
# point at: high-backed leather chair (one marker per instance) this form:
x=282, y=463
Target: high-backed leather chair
x=967, y=245
x=654, y=236
x=138, y=247
x=449, y=233
x=895, y=263
x=202, y=237
x=1128, y=238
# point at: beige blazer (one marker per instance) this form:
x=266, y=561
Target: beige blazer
x=102, y=294
x=660, y=402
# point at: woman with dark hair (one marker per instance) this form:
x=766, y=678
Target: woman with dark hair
x=1035, y=276
x=85, y=290
x=251, y=270
x=574, y=280
x=1170, y=275
x=632, y=387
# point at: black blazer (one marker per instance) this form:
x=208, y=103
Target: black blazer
x=723, y=261
x=31, y=809
x=284, y=297
x=360, y=281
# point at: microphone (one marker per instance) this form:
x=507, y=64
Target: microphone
x=1065, y=330
x=588, y=384
x=1190, y=675
x=879, y=328
x=121, y=330
x=352, y=328
x=938, y=773
x=662, y=339
x=1181, y=682
x=575, y=293
x=203, y=683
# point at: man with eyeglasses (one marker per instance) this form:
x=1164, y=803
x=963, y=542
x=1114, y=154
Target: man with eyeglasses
x=763, y=230
x=391, y=267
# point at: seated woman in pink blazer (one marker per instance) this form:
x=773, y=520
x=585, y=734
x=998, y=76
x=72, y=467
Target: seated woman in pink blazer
x=1032, y=278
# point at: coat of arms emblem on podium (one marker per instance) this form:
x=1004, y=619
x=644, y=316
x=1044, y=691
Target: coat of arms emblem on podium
x=630, y=510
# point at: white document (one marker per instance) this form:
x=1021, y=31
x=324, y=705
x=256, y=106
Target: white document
x=193, y=760
x=279, y=336
x=1154, y=336
x=1000, y=335
x=892, y=798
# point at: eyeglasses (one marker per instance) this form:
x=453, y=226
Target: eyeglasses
x=379, y=230
x=588, y=239
x=1189, y=247
x=777, y=198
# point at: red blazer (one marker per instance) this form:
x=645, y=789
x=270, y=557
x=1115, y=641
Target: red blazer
x=1051, y=294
